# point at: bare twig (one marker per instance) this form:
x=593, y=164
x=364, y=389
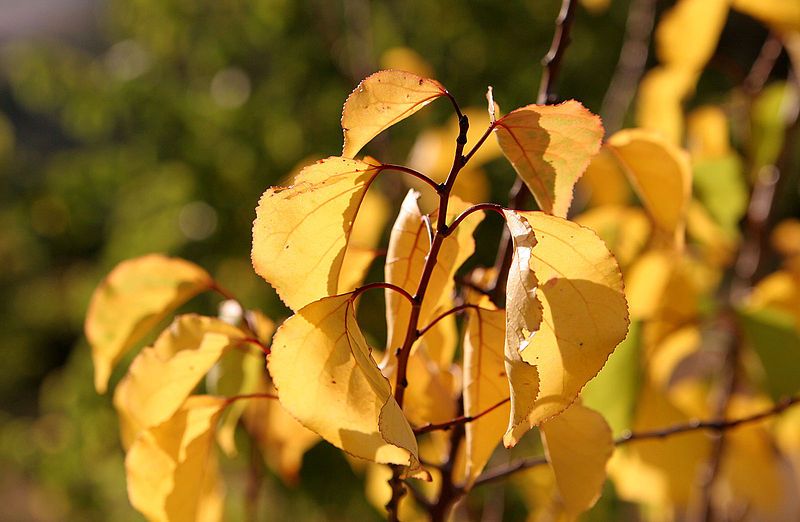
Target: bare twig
x=632, y=60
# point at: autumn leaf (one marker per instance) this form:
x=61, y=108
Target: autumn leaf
x=784, y=15
x=578, y=444
x=301, y=232
x=687, y=34
x=161, y=377
x=281, y=438
x=584, y=311
x=327, y=379
x=171, y=472
x=136, y=296
x=550, y=147
x=409, y=245
x=523, y=319
x=660, y=173
x=485, y=384
x=659, y=106
x=381, y=100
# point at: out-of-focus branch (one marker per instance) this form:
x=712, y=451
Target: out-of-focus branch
x=632, y=60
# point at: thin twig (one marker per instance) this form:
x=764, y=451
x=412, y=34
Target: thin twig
x=463, y=419
x=419, y=175
x=454, y=310
x=719, y=425
x=632, y=60
x=231, y=400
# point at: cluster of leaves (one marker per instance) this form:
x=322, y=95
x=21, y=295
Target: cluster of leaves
x=433, y=404
x=522, y=366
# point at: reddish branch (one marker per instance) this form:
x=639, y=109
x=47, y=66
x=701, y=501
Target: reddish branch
x=463, y=419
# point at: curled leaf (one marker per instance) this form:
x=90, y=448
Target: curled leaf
x=132, y=300
x=172, y=474
x=584, y=311
x=380, y=101
x=550, y=147
x=523, y=319
x=300, y=233
x=326, y=378
x=578, y=444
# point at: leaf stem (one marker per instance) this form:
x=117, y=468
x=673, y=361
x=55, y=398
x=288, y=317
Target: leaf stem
x=407, y=170
x=234, y=398
x=463, y=419
x=455, y=310
x=380, y=284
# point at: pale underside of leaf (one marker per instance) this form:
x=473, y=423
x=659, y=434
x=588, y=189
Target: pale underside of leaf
x=171, y=472
x=327, y=379
x=584, y=311
x=523, y=319
x=380, y=101
x=550, y=147
x=132, y=300
x=578, y=444
x=301, y=232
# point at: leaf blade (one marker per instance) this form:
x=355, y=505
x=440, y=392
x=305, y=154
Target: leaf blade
x=381, y=100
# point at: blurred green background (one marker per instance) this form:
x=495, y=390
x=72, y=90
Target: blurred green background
x=136, y=126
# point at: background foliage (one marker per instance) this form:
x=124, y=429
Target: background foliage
x=158, y=126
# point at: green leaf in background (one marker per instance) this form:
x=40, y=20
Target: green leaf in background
x=613, y=392
x=720, y=185
x=774, y=337
x=770, y=113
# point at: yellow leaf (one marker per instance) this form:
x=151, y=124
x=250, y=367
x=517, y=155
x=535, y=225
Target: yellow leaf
x=659, y=105
x=300, y=233
x=405, y=59
x=550, y=146
x=441, y=341
x=785, y=237
x=133, y=299
x=687, y=34
x=585, y=314
x=485, y=385
x=409, y=244
x=283, y=441
x=378, y=493
x=161, y=377
x=707, y=133
x=784, y=15
x=430, y=393
x=661, y=175
x=381, y=100
x=604, y=182
x=578, y=444
x=355, y=266
x=523, y=319
x=327, y=379
x=625, y=230
x=660, y=472
x=170, y=469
